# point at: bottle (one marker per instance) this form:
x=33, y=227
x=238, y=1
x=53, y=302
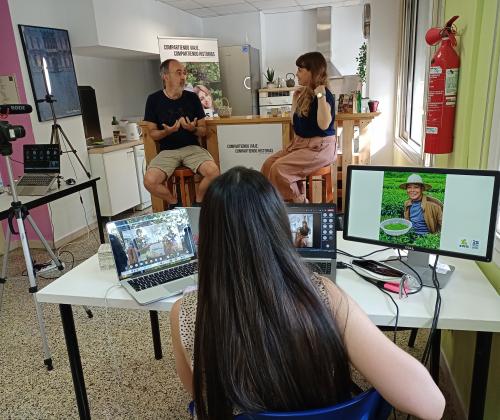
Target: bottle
x=116, y=130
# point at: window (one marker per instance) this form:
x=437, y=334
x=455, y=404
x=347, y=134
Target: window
x=418, y=17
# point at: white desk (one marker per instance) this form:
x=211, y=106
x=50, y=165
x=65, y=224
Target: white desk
x=469, y=302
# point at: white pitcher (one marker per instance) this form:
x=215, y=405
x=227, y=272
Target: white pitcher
x=133, y=131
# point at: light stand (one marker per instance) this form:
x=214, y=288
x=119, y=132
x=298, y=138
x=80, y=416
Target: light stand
x=56, y=128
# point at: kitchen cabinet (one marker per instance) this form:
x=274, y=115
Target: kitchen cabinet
x=118, y=188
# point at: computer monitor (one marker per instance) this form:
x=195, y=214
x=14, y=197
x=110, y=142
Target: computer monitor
x=424, y=210
x=41, y=158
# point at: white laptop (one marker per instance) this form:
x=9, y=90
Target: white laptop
x=154, y=254
x=314, y=236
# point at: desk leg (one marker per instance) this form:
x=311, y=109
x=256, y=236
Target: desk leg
x=480, y=375
x=155, y=331
x=98, y=212
x=435, y=355
x=75, y=361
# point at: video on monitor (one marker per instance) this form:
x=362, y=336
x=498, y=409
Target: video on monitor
x=442, y=211
x=301, y=226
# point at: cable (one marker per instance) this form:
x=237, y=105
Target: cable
x=339, y=251
x=17, y=161
x=380, y=287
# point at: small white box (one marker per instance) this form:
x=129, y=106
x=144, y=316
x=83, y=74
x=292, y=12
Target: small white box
x=105, y=257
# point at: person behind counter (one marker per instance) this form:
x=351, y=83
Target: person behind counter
x=176, y=119
x=314, y=144
x=264, y=333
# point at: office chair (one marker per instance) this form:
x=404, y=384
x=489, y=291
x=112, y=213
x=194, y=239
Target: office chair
x=367, y=406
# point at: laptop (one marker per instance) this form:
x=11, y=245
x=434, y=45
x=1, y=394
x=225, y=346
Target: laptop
x=42, y=165
x=154, y=254
x=314, y=236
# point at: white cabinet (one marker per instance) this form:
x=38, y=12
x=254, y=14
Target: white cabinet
x=118, y=189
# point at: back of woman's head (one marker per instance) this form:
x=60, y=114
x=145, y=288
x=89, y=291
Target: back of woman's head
x=264, y=337
x=314, y=62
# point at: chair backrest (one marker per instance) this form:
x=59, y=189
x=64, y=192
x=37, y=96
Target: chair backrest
x=367, y=406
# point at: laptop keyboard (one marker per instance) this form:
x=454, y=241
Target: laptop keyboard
x=321, y=267
x=35, y=180
x=165, y=276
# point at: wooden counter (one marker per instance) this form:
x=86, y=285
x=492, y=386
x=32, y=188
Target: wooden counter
x=344, y=124
x=92, y=150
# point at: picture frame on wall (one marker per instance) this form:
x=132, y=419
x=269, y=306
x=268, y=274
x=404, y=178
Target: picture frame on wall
x=51, y=69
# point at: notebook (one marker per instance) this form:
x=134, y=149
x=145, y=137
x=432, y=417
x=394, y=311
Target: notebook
x=154, y=254
x=42, y=165
x=314, y=236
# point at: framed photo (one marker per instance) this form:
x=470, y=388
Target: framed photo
x=51, y=70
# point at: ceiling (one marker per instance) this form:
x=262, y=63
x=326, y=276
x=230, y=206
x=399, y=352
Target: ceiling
x=212, y=8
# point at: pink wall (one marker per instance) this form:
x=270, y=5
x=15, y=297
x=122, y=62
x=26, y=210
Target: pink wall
x=9, y=64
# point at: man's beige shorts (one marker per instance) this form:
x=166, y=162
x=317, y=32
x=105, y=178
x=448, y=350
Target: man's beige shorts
x=190, y=156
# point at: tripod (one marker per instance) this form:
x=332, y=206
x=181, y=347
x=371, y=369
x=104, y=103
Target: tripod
x=57, y=130
x=19, y=212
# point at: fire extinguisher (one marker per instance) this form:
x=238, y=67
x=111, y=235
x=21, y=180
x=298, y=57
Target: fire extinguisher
x=442, y=89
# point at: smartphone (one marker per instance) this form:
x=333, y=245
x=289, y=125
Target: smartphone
x=378, y=268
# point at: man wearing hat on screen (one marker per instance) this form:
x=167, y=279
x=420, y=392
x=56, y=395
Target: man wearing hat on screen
x=425, y=213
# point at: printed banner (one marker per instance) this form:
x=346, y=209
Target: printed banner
x=201, y=58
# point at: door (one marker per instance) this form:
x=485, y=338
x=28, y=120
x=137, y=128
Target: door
x=235, y=78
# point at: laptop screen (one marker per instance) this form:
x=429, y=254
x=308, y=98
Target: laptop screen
x=41, y=158
x=151, y=242
x=313, y=229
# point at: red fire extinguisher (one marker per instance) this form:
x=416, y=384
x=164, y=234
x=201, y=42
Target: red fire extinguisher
x=442, y=90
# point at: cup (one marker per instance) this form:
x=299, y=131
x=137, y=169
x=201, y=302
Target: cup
x=133, y=131
x=373, y=106
x=275, y=112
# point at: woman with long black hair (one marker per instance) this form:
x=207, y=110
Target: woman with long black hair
x=263, y=332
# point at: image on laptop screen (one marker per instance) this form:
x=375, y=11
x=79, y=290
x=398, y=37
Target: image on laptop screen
x=313, y=228
x=41, y=158
x=151, y=242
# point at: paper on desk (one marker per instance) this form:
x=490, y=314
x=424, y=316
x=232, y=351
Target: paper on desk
x=440, y=267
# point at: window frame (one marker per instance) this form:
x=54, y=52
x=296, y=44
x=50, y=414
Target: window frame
x=412, y=150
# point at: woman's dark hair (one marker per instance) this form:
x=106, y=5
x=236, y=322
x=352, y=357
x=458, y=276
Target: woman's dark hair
x=314, y=62
x=264, y=337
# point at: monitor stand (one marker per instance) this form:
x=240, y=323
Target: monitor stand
x=419, y=261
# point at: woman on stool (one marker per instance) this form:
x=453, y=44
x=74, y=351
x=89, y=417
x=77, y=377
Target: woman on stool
x=314, y=144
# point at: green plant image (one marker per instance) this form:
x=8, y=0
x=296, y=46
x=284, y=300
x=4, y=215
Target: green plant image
x=393, y=199
x=395, y=226
x=207, y=74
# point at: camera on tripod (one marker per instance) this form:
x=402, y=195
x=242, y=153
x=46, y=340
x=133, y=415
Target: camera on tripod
x=10, y=132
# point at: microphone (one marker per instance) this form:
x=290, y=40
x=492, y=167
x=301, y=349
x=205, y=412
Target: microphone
x=9, y=109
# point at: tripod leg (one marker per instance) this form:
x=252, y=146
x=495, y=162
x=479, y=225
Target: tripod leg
x=73, y=150
x=53, y=256
x=3, y=277
x=33, y=289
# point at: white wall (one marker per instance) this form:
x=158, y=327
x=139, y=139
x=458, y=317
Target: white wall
x=383, y=56
x=347, y=37
x=234, y=29
x=286, y=37
x=121, y=86
x=135, y=25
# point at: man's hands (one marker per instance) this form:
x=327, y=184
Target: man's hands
x=187, y=124
x=171, y=129
x=183, y=122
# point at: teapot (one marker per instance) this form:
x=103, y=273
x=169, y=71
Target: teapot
x=290, y=81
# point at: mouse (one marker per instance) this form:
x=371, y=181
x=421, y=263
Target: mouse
x=70, y=181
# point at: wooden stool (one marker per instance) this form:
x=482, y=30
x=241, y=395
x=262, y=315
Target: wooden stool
x=326, y=181
x=180, y=178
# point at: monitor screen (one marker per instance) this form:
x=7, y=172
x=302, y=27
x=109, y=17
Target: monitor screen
x=313, y=228
x=41, y=158
x=151, y=242
x=439, y=211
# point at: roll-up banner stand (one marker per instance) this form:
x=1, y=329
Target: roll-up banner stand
x=201, y=58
